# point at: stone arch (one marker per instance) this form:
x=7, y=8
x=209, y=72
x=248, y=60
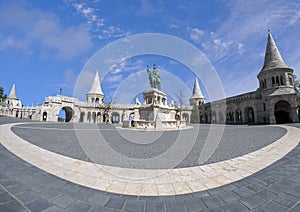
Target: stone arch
x=229, y=116
x=186, y=117
x=82, y=114
x=98, y=117
x=282, y=112
x=221, y=117
x=291, y=79
x=69, y=113
x=131, y=119
x=249, y=112
x=45, y=116
x=115, y=118
x=17, y=113
x=206, y=118
x=213, y=117
x=238, y=116
x=89, y=117
x=94, y=117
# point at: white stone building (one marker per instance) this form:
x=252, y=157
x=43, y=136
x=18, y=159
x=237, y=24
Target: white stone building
x=13, y=107
x=273, y=102
x=153, y=112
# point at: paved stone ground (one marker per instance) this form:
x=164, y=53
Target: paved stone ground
x=61, y=138
x=27, y=188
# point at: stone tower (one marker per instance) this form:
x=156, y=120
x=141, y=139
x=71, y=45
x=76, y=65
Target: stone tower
x=275, y=73
x=95, y=95
x=276, y=86
x=197, y=97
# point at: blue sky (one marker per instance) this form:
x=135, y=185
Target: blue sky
x=45, y=44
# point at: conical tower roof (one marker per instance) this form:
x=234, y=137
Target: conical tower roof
x=96, y=87
x=196, y=91
x=273, y=57
x=12, y=94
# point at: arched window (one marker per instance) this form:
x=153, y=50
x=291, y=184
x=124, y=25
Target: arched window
x=115, y=118
x=89, y=117
x=273, y=81
x=97, y=101
x=291, y=79
x=82, y=114
x=238, y=115
x=277, y=80
x=264, y=105
x=281, y=80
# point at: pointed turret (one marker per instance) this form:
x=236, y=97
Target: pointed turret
x=95, y=95
x=273, y=57
x=275, y=73
x=197, y=97
x=96, y=87
x=12, y=94
x=12, y=99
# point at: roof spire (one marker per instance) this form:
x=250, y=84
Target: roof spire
x=196, y=91
x=96, y=87
x=12, y=94
x=273, y=57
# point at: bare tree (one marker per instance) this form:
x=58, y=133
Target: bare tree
x=180, y=99
x=107, y=107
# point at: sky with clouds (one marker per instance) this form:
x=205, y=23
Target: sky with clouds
x=44, y=45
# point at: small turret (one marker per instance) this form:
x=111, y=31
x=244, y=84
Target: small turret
x=95, y=95
x=12, y=94
x=197, y=97
x=12, y=99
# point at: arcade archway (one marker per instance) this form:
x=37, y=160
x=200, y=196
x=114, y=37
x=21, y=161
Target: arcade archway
x=65, y=114
x=44, y=116
x=186, y=117
x=282, y=112
x=82, y=114
x=250, y=118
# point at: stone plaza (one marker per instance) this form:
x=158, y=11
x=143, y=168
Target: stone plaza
x=147, y=156
x=44, y=168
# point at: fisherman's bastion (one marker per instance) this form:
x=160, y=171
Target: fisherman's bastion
x=273, y=102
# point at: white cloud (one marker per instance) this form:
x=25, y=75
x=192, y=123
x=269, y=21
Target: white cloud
x=294, y=18
x=247, y=24
x=32, y=28
x=114, y=78
x=196, y=34
x=173, y=26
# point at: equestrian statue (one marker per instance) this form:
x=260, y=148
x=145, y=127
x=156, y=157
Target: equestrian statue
x=154, y=78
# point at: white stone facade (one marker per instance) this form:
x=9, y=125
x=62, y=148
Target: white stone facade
x=273, y=102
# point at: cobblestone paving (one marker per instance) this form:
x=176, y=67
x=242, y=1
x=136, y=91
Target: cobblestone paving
x=236, y=141
x=27, y=188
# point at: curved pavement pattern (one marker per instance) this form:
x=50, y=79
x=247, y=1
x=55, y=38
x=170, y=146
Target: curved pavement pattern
x=26, y=187
x=62, y=138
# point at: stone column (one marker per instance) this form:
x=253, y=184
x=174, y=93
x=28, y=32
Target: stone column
x=272, y=116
